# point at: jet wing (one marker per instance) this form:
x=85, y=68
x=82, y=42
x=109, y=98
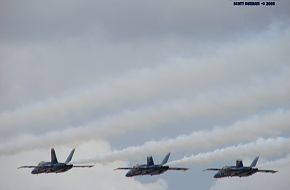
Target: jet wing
x=86, y=166
x=213, y=169
x=26, y=167
x=268, y=171
x=123, y=168
x=184, y=169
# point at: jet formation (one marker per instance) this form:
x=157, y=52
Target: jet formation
x=239, y=170
x=150, y=168
x=54, y=166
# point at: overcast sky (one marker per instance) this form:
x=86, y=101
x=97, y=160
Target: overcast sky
x=120, y=80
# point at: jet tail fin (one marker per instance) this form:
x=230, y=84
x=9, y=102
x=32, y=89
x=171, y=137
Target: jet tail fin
x=253, y=164
x=70, y=156
x=53, y=156
x=239, y=163
x=150, y=161
x=165, y=159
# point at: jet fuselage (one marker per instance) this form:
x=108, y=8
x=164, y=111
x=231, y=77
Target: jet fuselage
x=48, y=167
x=233, y=171
x=147, y=170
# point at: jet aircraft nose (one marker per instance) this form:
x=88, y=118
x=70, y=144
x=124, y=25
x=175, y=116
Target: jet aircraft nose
x=217, y=175
x=34, y=171
x=129, y=174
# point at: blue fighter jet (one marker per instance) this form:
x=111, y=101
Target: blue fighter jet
x=239, y=170
x=150, y=168
x=54, y=166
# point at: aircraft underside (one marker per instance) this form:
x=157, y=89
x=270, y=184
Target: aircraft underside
x=237, y=173
x=147, y=171
x=50, y=170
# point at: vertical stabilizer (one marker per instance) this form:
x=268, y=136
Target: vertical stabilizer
x=253, y=164
x=70, y=156
x=150, y=161
x=165, y=159
x=239, y=164
x=53, y=157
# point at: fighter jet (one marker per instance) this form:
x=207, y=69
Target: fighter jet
x=239, y=170
x=54, y=166
x=150, y=168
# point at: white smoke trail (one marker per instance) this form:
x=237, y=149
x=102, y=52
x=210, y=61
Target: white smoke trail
x=270, y=124
x=206, y=107
x=129, y=90
x=265, y=147
x=278, y=162
x=267, y=125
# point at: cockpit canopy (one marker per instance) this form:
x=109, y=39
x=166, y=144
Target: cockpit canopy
x=41, y=163
x=136, y=166
x=225, y=167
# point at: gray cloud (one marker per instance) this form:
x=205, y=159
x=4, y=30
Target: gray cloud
x=132, y=20
x=166, y=82
x=111, y=72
